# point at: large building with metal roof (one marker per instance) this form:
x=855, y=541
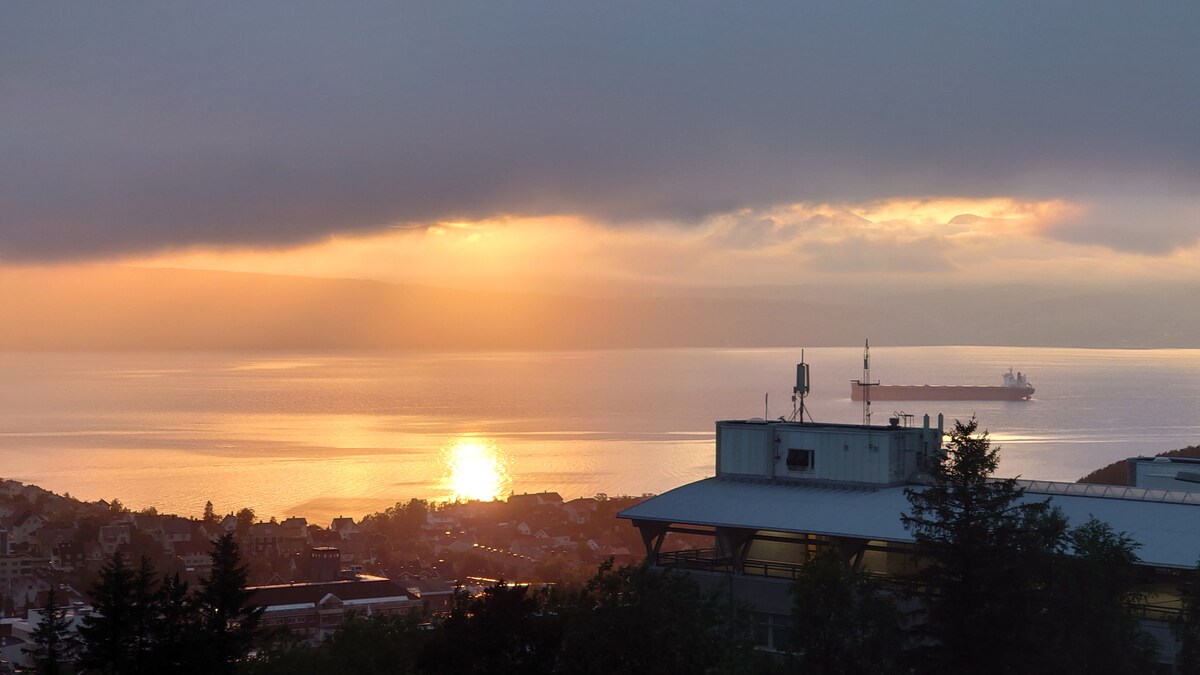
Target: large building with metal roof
x=783, y=488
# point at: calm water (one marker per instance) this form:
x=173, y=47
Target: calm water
x=349, y=433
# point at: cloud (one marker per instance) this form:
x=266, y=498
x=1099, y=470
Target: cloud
x=1147, y=223
x=147, y=126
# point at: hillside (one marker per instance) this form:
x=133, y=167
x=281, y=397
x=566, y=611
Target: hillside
x=1117, y=473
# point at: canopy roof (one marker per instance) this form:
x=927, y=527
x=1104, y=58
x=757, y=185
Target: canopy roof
x=1165, y=525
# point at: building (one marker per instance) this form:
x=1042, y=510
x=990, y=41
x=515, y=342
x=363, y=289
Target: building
x=1181, y=474
x=784, y=489
x=315, y=610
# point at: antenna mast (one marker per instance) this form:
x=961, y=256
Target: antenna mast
x=866, y=383
x=800, y=390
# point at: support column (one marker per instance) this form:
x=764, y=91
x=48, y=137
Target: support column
x=852, y=551
x=735, y=543
x=653, y=532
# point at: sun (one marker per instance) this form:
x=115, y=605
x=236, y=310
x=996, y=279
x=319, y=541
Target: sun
x=475, y=470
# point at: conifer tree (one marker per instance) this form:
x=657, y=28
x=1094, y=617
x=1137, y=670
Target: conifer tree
x=142, y=617
x=227, y=620
x=106, y=633
x=53, y=651
x=173, y=633
x=991, y=555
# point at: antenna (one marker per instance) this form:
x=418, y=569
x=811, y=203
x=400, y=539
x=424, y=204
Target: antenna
x=800, y=391
x=866, y=383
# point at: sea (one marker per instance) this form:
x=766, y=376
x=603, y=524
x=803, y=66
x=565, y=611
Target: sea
x=329, y=434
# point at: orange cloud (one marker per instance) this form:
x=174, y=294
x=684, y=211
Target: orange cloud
x=953, y=238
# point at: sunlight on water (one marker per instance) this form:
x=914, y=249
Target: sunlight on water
x=476, y=470
x=323, y=435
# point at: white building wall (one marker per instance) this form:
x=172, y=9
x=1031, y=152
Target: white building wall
x=745, y=450
x=849, y=457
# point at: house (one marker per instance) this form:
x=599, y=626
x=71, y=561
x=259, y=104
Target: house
x=263, y=539
x=113, y=536
x=68, y=556
x=175, y=529
x=24, y=526
x=13, y=567
x=315, y=610
x=343, y=526
x=48, y=537
x=195, y=554
x=435, y=595
x=553, y=539
x=294, y=528
x=580, y=511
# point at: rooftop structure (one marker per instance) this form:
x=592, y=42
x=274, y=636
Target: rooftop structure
x=314, y=611
x=1165, y=473
x=783, y=489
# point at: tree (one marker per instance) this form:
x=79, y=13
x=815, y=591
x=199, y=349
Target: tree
x=1187, y=626
x=142, y=616
x=641, y=620
x=210, y=516
x=377, y=645
x=990, y=556
x=842, y=622
x=245, y=518
x=173, y=629
x=227, y=618
x=53, y=651
x=107, y=632
x=1098, y=580
x=504, y=630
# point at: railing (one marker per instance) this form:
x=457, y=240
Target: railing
x=706, y=559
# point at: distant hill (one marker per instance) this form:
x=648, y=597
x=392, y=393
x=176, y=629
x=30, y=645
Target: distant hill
x=1117, y=473
x=155, y=309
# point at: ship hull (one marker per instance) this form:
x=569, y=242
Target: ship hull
x=940, y=392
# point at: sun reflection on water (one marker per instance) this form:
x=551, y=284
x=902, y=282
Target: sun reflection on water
x=476, y=469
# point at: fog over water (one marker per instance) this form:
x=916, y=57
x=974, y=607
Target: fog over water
x=323, y=434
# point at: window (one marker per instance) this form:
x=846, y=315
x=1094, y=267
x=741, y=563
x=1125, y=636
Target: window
x=799, y=459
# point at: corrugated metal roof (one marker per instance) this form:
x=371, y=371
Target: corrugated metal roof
x=1168, y=531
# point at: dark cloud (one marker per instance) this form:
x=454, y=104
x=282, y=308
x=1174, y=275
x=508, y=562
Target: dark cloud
x=1147, y=222
x=145, y=125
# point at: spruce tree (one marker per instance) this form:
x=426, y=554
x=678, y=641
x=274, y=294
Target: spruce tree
x=142, y=617
x=227, y=620
x=990, y=556
x=107, y=633
x=173, y=633
x=54, y=646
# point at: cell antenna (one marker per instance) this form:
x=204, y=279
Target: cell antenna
x=800, y=391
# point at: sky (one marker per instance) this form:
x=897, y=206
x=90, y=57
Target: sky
x=606, y=148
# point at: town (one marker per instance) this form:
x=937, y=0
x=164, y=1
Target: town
x=406, y=559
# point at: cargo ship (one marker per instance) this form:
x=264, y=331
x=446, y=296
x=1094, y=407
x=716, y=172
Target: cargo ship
x=1015, y=388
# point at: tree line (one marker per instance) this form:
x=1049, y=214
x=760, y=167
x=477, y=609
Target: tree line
x=144, y=625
